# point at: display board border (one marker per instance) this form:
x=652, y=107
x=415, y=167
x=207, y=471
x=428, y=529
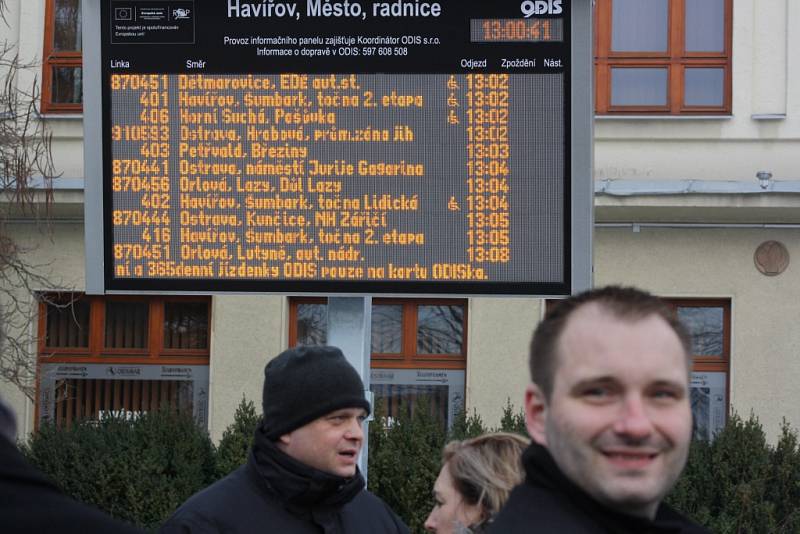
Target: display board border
x=579, y=194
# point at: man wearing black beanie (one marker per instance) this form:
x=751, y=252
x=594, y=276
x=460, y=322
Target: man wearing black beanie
x=302, y=473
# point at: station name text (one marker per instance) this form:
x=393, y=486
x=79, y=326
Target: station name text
x=332, y=9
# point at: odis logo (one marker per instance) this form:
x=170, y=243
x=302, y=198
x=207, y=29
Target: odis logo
x=541, y=7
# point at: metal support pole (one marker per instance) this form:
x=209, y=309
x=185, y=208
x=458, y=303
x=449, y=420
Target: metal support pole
x=349, y=322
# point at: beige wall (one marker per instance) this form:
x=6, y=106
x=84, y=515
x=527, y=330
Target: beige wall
x=499, y=331
x=695, y=159
x=246, y=332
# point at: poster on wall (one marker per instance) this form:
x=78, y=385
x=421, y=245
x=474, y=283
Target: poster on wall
x=709, y=406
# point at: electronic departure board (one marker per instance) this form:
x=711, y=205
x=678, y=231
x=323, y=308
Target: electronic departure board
x=354, y=146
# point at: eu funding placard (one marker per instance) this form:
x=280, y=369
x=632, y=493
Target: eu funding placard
x=402, y=147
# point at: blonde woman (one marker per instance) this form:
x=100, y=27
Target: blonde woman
x=476, y=477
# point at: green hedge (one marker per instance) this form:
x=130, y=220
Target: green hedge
x=238, y=438
x=141, y=470
x=138, y=470
x=739, y=483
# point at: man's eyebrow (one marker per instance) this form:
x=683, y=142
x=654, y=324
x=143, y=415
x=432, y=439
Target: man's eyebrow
x=670, y=383
x=608, y=380
x=605, y=380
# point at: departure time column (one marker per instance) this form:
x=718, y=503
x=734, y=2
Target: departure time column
x=488, y=153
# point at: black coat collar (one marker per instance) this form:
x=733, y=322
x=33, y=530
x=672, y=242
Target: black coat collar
x=542, y=471
x=301, y=488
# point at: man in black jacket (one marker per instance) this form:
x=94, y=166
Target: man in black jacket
x=609, y=413
x=302, y=473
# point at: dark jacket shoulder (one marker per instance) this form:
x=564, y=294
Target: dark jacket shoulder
x=368, y=513
x=554, y=513
x=241, y=503
x=556, y=504
x=528, y=505
x=223, y=506
x=30, y=502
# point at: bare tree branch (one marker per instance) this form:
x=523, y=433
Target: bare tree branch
x=26, y=174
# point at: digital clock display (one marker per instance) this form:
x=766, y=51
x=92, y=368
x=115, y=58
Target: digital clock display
x=530, y=30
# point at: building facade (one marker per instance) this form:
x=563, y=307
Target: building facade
x=695, y=100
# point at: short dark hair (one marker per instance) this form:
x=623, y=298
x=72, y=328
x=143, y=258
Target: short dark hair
x=626, y=303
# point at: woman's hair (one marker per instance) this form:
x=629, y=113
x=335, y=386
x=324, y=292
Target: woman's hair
x=486, y=468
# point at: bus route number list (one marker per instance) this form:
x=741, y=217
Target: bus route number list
x=338, y=177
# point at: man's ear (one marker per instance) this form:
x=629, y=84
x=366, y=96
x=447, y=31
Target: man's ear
x=284, y=441
x=536, y=413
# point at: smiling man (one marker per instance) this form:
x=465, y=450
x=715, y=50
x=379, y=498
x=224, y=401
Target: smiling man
x=610, y=417
x=302, y=473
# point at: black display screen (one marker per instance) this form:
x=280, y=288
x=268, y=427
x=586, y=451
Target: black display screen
x=336, y=147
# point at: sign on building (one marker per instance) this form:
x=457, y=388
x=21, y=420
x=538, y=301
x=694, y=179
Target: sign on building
x=361, y=147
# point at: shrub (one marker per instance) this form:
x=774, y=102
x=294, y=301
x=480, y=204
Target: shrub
x=739, y=483
x=238, y=438
x=404, y=459
x=466, y=426
x=784, y=485
x=138, y=470
x=512, y=421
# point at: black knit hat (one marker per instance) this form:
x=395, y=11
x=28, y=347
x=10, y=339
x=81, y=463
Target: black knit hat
x=305, y=383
